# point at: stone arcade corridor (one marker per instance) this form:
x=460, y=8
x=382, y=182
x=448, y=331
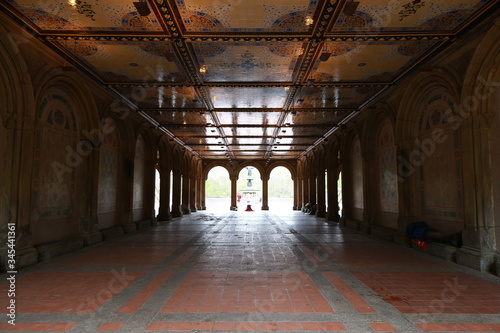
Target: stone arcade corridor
x=252, y=272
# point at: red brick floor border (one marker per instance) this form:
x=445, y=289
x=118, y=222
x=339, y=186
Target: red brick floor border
x=142, y=296
x=243, y=292
x=248, y=326
x=352, y=297
x=37, y=327
x=458, y=327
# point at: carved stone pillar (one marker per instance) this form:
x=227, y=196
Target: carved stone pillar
x=176, y=194
x=193, y=193
x=186, y=194
x=164, y=211
x=265, y=193
x=333, y=198
x=234, y=190
x=478, y=235
x=320, y=189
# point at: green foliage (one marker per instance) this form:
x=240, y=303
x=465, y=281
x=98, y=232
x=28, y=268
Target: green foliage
x=218, y=184
x=280, y=183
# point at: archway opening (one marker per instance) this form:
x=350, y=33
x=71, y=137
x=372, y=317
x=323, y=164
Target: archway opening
x=249, y=189
x=326, y=188
x=157, y=192
x=280, y=189
x=339, y=192
x=218, y=189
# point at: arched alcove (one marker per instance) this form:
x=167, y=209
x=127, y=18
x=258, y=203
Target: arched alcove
x=218, y=189
x=280, y=189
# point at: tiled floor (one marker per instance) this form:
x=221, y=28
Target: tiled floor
x=251, y=271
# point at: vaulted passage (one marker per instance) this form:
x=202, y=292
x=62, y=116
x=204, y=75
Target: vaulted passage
x=265, y=165
x=253, y=271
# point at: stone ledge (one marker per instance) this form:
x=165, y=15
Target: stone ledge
x=440, y=250
x=55, y=249
x=474, y=258
x=143, y=224
x=353, y=224
x=92, y=238
x=111, y=233
x=383, y=232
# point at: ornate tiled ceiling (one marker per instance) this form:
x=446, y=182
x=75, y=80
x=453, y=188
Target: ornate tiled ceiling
x=280, y=76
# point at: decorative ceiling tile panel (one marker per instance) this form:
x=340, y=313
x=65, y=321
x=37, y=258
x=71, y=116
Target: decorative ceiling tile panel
x=92, y=15
x=334, y=97
x=246, y=62
x=248, y=131
x=247, y=97
x=249, y=118
x=124, y=62
x=246, y=16
x=368, y=61
x=161, y=97
x=409, y=15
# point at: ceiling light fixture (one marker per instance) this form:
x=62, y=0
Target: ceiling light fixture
x=142, y=8
x=309, y=20
x=203, y=69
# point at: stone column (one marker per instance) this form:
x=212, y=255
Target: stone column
x=320, y=186
x=186, y=194
x=127, y=185
x=203, y=182
x=333, y=198
x=234, y=192
x=478, y=235
x=194, y=193
x=265, y=193
x=368, y=193
x=312, y=189
x=15, y=206
x=164, y=213
x=407, y=187
x=176, y=194
x=296, y=204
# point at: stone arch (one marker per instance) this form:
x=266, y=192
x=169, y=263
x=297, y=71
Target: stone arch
x=17, y=108
x=257, y=166
x=292, y=168
x=427, y=132
x=480, y=95
x=211, y=165
x=428, y=83
x=76, y=88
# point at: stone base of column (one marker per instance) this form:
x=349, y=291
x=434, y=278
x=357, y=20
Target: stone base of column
x=321, y=214
x=265, y=208
x=193, y=209
x=186, y=211
x=177, y=213
x=129, y=227
x=90, y=238
x=162, y=217
x=333, y=216
x=474, y=258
